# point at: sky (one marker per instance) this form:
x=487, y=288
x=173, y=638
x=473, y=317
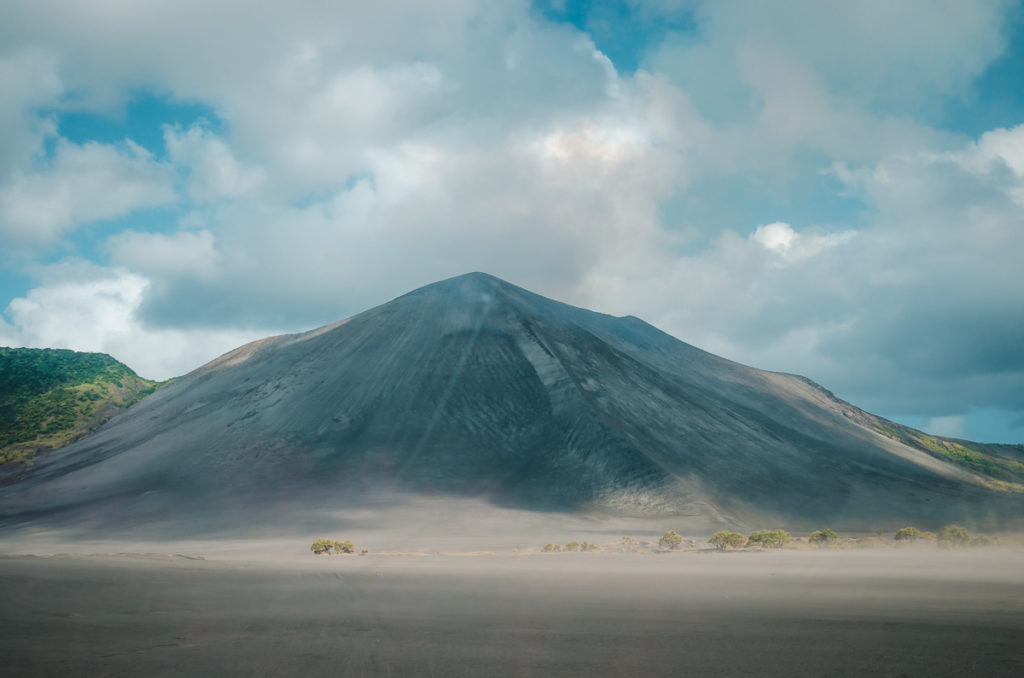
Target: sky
x=834, y=189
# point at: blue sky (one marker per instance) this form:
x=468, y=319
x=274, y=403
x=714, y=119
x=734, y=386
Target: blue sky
x=832, y=189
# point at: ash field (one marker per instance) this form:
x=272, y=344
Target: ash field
x=791, y=613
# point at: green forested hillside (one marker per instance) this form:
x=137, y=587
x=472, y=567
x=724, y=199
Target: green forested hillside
x=1001, y=465
x=51, y=397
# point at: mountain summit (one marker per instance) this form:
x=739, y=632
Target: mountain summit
x=475, y=387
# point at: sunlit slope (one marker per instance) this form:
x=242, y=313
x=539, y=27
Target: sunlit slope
x=51, y=397
x=1000, y=467
x=475, y=387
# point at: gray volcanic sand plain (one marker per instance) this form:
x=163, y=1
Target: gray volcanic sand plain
x=244, y=611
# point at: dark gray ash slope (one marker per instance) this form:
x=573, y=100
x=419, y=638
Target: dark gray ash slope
x=475, y=387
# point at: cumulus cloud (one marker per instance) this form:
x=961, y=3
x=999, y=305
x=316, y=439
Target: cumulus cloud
x=874, y=50
x=29, y=80
x=777, y=236
x=83, y=183
x=541, y=207
x=87, y=308
x=788, y=85
x=781, y=239
x=917, y=313
x=186, y=253
x=213, y=171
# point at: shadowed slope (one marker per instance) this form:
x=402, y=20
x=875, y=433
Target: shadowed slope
x=473, y=386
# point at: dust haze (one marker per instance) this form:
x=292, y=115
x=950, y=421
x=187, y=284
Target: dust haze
x=460, y=588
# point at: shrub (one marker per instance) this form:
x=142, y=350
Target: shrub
x=572, y=546
x=823, y=537
x=670, y=540
x=364, y=552
x=773, y=539
x=344, y=547
x=587, y=547
x=321, y=546
x=551, y=548
x=985, y=540
x=954, y=535
x=724, y=539
x=907, y=534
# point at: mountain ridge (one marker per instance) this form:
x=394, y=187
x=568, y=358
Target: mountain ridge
x=52, y=397
x=475, y=387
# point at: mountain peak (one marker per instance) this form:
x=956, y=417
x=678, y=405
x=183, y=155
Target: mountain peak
x=471, y=296
x=472, y=386
x=475, y=281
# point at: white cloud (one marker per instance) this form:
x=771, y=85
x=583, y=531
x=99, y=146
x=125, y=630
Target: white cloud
x=87, y=308
x=994, y=153
x=28, y=79
x=777, y=236
x=1005, y=145
x=186, y=253
x=890, y=54
x=309, y=91
x=782, y=91
x=213, y=171
x=781, y=239
x=82, y=183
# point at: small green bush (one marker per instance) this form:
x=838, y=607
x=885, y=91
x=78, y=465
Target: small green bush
x=773, y=539
x=670, y=540
x=985, y=540
x=572, y=546
x=823, y=537
x=321, y=546
x=551, y=548
x=954, y=535
x=724, y=539
x=344, y=547
x=907, y=534
x=587, y=547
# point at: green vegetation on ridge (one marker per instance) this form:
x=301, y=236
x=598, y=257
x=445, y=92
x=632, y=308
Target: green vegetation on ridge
x=52, y=397
x=999, y=467
x=1002, y=466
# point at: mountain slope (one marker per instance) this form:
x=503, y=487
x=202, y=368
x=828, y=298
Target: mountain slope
x=475, y=387
x=1000, y=467
x=51, y=397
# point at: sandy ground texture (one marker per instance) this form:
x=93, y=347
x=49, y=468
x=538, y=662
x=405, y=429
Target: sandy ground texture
x=829, y=613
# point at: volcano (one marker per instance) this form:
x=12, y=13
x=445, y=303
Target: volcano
x=473, y=387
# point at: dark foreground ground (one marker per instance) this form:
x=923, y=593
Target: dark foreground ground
x=847, y=613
